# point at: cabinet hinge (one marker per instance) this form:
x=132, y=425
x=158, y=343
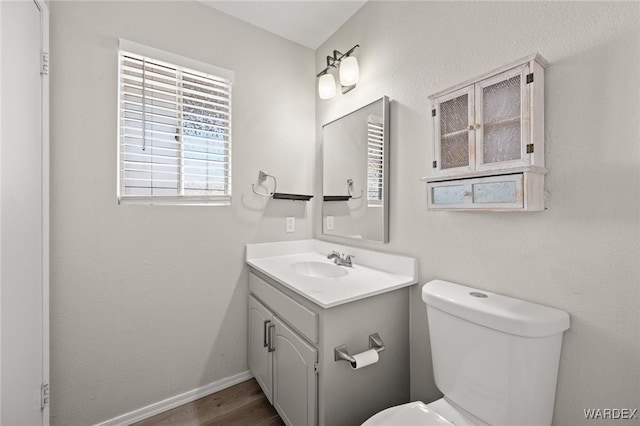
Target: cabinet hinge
x=434, y=164
x=530, y=78
x=316, y=368
x=44, y=396
x=44, y=63
x=530, y=148
x=433, y=112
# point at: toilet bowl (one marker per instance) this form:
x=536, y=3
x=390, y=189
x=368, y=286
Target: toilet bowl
x=411, y=414
x=437, y=413
x=495, y=359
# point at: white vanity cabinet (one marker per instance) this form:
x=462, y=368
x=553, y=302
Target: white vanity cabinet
x=291, y=353
x=489, y=126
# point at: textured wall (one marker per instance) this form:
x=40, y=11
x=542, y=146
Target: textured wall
x=150, y=302
x=583, y=254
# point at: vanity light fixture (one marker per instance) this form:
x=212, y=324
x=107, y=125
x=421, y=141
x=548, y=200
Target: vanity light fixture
x=348, y=70
x=327, y=86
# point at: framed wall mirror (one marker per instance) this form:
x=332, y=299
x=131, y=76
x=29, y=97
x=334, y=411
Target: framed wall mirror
x=355, y=174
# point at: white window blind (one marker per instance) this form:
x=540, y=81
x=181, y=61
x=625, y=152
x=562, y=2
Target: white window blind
x=175, y=129
x=375, y=159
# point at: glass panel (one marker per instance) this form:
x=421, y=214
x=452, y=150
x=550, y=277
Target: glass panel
x=494, y=192
x=501, y=116
x=448, y=194
x=454, y=136
x=454, y=150
x=454, y=114
x=501, y=142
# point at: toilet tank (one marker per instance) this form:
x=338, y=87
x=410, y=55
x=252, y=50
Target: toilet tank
x=494, y=356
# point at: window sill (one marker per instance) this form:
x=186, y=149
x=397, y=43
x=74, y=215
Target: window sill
x=175, y=201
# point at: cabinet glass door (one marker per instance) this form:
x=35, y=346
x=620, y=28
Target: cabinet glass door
x=502, y=107
x=455, y=139
x=502, y=191
x=449, y=194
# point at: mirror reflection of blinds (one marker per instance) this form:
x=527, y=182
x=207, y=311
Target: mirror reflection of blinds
x=175, y=132
x=375, y=146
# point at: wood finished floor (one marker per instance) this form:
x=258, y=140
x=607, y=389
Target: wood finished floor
x=239, y=405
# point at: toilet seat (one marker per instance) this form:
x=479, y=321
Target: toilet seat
x=437, y=413
x=411, y=414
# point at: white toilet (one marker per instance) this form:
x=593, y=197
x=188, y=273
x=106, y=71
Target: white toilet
x=495, y=359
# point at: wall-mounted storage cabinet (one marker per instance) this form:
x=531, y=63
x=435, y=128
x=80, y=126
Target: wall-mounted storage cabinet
x=490, y=126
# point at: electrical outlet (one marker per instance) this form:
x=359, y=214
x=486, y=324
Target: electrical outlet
x=329, y=223
x=291, y=224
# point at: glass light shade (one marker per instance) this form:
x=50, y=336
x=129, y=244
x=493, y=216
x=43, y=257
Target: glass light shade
x=349, y=71
x=326, y=86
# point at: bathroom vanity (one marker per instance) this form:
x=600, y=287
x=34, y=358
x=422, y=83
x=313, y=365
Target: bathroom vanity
x=302, y=307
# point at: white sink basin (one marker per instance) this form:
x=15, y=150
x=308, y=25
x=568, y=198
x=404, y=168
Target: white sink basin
x=302, y=267
x=319, y=269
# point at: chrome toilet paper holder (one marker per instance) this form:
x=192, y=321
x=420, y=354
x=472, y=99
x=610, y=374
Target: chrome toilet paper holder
x=340, y=353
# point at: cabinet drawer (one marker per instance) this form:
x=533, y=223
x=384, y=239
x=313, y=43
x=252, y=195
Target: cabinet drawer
x=299, y=317
x=490, y=193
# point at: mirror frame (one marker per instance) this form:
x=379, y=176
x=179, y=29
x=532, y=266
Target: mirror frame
x=385, y=172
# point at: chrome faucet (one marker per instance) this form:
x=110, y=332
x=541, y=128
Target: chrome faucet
x=341, y=259
x=335, y=256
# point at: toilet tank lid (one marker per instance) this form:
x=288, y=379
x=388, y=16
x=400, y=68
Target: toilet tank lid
x=495, y=311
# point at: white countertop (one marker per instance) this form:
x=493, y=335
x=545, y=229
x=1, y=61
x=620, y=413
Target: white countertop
x=372, y=272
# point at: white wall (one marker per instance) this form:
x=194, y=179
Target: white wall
x=583, y=254
x=150, y=302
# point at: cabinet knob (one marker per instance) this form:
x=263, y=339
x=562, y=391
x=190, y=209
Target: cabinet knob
x=471, y=127
x=468, y=193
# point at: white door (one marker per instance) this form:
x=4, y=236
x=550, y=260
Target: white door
x=24, y=214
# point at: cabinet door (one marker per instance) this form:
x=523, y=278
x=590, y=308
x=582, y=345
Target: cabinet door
x=294, y=377
x=260, y=359
x=489, y=193
x=502, y=120
x=447, y=195
x=454, y=132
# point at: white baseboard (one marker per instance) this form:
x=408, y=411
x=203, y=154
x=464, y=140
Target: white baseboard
x=176, y=401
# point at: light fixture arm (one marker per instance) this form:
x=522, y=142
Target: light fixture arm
x=334, y=61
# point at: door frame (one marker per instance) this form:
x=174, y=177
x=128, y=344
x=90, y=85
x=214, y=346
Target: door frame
x=45, y=158
x=44, y=49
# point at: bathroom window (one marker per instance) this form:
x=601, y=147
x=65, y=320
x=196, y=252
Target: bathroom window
x=375, y=160
x=174, y=129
